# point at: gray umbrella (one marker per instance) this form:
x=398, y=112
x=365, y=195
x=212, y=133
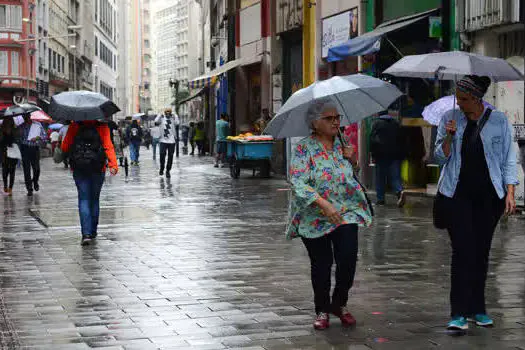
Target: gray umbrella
x=357, y=97
x=453, y=64
x=81, y=105
x=21, y=109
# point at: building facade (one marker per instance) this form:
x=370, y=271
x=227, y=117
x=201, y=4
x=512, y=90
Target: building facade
x=105, y=47
x=17, y=58
x=42, y=22
x=146, y=57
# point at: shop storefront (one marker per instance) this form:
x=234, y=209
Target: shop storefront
x=380, y=48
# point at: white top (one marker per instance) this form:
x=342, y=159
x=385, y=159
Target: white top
x=155, y=132
x=54, y=136
x=167, y=127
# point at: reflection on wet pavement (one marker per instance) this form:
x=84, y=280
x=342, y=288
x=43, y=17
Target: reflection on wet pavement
x=199, y=261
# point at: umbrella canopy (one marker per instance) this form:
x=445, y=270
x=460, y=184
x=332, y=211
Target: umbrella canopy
x=21, y=109
x=19, y=120
x=137, y=116
x=358, y=96
x=437, y=109
x=81, y=105
x=56, y=126
x=41, y=116
x=453, y=64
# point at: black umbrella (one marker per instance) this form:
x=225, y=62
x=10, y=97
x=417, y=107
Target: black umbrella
x=81, y=105
x=21, y=109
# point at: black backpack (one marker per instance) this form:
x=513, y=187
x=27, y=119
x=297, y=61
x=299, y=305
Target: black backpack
x=87, y=154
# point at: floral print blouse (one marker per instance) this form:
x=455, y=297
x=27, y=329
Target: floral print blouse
x=316, y=172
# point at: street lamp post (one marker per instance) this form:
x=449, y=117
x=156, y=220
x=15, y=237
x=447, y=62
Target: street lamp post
x=175, y=85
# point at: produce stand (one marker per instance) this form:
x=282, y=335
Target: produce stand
x=244, y=154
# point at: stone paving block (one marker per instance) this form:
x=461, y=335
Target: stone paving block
x=199, y=261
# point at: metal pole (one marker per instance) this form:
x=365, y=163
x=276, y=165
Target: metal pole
x=75, y=70
x=28, y=72
x=177, y=111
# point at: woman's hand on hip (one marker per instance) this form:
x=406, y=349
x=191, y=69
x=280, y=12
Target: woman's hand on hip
x=510, y=204
x=330, y=211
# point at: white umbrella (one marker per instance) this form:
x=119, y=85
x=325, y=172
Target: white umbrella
x=453, y=64
x=358, y=96
x=437, y=109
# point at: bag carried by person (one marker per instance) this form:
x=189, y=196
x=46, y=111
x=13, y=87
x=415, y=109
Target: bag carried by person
x=13, y=152
x=87, y=154
x=58, y=156
x=441, y=211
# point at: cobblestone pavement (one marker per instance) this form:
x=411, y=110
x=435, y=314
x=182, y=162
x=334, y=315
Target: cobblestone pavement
x=200, y=262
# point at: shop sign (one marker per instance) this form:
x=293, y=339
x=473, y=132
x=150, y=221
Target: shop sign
x=339, y=29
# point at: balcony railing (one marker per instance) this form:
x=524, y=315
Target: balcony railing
x=474, y=15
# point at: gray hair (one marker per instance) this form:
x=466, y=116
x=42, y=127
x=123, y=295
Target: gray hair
x=317, y=108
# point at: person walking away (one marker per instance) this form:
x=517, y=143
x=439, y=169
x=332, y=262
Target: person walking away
x=30, y=149
x=387, y=151
x=328, y=206
x=167, y=123
x=54, y=138
x=90, y=147
x=61, y=136
x=191, y=137
x=134, y=135
x=477, y=182
x=147, y=139
x=155, y=139
x=9, y=161
x=200, y=138
x=185, y=132
x=118, y=145
x=222, y=130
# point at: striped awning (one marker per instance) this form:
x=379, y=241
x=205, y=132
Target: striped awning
x=212, y=77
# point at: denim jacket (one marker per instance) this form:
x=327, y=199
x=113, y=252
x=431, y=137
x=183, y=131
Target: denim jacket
x=500, y=153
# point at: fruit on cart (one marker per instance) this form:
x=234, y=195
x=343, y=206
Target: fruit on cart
x=246, y=137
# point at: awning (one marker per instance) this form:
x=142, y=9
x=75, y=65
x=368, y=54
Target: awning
x=370, y=42
x=197, y=94
x=212, y=77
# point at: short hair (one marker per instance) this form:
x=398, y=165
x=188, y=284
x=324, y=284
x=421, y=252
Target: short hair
x=318, y=107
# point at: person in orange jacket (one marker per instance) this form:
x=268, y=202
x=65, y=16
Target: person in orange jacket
x=90, y=151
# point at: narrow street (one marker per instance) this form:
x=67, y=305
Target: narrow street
x=200, y=261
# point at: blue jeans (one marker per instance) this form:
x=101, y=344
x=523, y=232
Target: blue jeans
x=388, y=169
x=155, y=143
x=89, y=187
x=134, y=149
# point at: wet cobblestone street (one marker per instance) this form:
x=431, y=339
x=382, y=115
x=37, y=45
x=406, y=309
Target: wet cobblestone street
x=200, y=261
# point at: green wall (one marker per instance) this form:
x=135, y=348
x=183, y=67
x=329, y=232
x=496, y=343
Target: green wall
x=393, y=9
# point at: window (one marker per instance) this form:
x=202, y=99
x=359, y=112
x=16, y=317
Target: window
x=15, y=18
x=54, y=60
x=96, y=46
x=3, y=63
x=59, y=64
x=3, y=16
x=50, y=57
x=63, y=64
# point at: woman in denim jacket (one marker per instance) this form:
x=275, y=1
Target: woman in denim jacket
x=479, y=178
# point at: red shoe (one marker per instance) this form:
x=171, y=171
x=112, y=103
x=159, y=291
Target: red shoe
x=322, y=321
x=345, y=316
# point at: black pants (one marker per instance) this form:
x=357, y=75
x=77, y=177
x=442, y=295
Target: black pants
x=8, y=172
x=168, y=148
x=472, y=228
x=341, y=245
x=30, y=160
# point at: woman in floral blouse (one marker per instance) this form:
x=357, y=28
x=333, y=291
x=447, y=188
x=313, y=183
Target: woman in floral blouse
x=327, y=208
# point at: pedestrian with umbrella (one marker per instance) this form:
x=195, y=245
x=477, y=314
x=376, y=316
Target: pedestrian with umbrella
x=88, y=143
x=329, y=204
x=32, y=136
x=9, y=154
x=479, y=176
x=477, y=185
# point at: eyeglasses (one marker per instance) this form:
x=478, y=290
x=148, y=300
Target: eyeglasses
x=331, y=118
